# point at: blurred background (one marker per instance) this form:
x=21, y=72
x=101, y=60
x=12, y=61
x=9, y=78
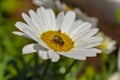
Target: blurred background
x=105, y=14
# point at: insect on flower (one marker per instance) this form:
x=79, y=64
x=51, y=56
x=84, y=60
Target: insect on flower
x=58, y=40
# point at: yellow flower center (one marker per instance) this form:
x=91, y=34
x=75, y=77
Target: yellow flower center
x=57, y=41
x=69, y=8
x=104, y=44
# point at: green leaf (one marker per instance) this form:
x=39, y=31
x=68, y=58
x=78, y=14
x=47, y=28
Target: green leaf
x=117, y=14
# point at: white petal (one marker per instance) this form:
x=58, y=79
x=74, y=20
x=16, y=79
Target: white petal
x=96, y=38
x=44, y=3
x=67, y=21
x=30, y=23
x=20, y=34
x=89, y=40
x=90, y=33
x=75, y=25
x=43, y=54
x=37, y=2
x=86, y=34
x=48, y=3
x=95, y=50
x=52, y=20
x=36, y=38
x=73, y=54
x=87, y=44
x=30, y=48
x=80, y=29
x=44, y=17
x=23, y=27
x=53, y=56
x=36, y=20
x=86, y=52
x=59, y=20
x=93, y=21
x=60, y=6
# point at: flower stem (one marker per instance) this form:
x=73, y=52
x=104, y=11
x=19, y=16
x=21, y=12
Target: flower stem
x=45, y=70
x=70, y=67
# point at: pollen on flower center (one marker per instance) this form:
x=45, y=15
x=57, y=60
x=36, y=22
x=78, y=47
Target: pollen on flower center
x=57, y=41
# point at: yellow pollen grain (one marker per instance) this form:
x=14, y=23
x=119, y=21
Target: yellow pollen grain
x=49, y=36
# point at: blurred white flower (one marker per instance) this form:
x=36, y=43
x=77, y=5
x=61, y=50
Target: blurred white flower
x=58, y=6
x=62, y=6
x=84, y=17
x=60, y=35
x=108, y=45
x=115, y=76
x=79, y=13
x=117, y=1
x=45, y=3
x=55, y=4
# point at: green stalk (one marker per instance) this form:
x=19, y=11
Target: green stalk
x=45, y=70
x=70, y=67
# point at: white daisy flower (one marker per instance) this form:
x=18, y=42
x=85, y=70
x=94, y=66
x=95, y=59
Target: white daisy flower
x=108, y=45
x=60, y=35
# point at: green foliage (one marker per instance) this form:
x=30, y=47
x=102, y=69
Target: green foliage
x=10, y=6
x=118, y=15
x=108, y=67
